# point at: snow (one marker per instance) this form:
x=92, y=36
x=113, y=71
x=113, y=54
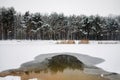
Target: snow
x=10, y=78
x=33, y=79
x=14, y=53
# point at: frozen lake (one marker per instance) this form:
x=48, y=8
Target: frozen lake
x=14, y=53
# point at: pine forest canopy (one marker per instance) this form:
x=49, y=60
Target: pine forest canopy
x=54, y=26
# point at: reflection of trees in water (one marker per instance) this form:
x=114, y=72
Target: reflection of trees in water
x=55, y=64
x=61, y=62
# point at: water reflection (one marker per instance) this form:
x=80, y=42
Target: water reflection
x=67, y=74
x=61, y=62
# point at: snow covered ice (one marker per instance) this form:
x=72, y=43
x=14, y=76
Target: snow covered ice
x=10, y=78
x=14, y=53
x=33, y=79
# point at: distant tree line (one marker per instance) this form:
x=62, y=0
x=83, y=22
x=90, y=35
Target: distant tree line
x=34, y=26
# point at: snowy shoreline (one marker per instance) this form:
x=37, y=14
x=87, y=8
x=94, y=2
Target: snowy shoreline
x=55, y=41
x=15, y=52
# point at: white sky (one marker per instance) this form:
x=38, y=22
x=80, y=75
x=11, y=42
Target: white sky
x=68, y=7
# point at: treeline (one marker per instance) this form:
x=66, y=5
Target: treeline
x=54, y=26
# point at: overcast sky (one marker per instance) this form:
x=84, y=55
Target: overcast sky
x=68, y=7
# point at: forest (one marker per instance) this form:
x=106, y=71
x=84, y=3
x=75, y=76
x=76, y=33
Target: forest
x=57, y=26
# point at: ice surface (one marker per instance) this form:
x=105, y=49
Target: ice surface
x=33, y=79
x=10, y=78
x=14, y=53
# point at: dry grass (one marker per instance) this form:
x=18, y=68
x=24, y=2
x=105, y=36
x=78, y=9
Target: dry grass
x=84, y=41
x=66, y=42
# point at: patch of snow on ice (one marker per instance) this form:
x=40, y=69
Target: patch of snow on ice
x=10, y=78
x=33, y=79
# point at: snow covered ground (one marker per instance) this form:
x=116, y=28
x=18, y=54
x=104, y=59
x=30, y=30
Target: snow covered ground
x=14, y=53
